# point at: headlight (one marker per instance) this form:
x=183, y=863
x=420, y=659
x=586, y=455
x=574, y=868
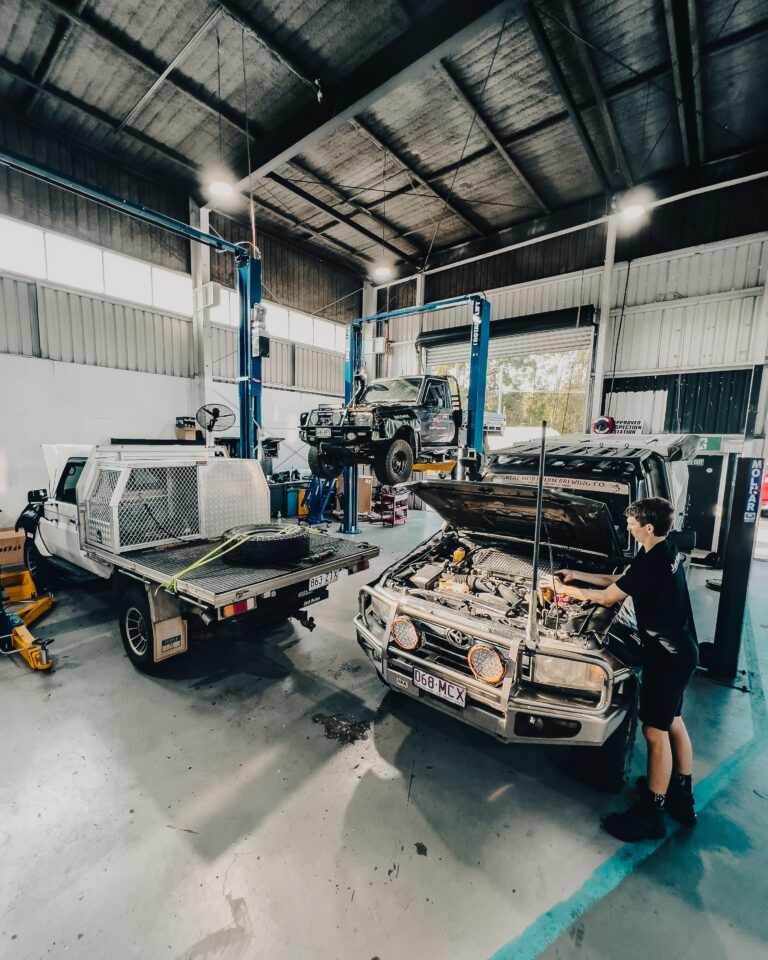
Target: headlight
x=313, y=418
x=364, y=419
x=573, y=674
x=485, y=663
x=405, y=634
x=337, y=418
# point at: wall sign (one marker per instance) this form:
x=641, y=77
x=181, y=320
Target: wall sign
x=754, y=483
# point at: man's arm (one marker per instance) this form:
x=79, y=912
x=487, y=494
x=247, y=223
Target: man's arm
x=598, y=579
x=607, y=597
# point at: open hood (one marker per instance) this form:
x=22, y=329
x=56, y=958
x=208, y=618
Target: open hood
x=510, y=510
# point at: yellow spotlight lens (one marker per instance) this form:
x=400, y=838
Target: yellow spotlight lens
x=459, y=554
x=405, y=634
x=486, y=664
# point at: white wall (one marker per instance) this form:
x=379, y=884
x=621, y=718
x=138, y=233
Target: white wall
x=44, y=401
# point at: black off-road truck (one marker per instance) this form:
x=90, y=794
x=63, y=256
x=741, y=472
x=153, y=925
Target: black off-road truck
x=392, y=424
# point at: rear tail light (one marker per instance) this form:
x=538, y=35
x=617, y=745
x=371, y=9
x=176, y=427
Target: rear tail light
x=235, y=609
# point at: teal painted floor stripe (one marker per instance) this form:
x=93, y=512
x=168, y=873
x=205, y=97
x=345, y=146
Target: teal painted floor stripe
x=550, y=925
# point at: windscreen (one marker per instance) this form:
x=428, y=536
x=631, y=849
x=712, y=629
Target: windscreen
x=402, y=389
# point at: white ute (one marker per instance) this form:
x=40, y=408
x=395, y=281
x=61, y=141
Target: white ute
x=157, y=521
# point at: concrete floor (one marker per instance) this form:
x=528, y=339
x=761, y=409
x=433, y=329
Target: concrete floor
x=207, y=815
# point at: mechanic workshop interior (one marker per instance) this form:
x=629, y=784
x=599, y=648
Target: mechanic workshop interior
x=383, y=506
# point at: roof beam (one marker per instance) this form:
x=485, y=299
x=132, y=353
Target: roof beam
x=178, y=59
x=579, y=216
x=696, y=65
x=326, y=208
x=421, y=179
x=405, y=58
x=556, y=74
x=268, y=43
x=588, y=66
x=484, y=124
x=681, y=57
x=357, y=208
x=145, y=61
x=49, y=60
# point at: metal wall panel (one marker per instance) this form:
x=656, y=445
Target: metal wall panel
x=18, y=317
x=719, y=331
x=292, y=365
x=292, y=277
x=82, y=328
x=33, y=201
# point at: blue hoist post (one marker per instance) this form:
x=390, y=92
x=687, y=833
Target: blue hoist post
x=478, y=364
x=248, y=280
x=249, y=373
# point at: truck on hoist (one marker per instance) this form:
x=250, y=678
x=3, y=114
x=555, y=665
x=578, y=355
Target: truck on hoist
x=181, y=534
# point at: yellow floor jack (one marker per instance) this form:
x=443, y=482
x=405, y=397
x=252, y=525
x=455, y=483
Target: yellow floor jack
x=18, y=588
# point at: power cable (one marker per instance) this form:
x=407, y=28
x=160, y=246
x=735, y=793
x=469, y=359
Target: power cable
x=466, y=141
x=251, y=209
x=618, y=338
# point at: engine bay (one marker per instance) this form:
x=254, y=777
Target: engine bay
x=491, y=578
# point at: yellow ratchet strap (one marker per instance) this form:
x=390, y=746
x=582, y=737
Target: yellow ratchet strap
x=220, y=550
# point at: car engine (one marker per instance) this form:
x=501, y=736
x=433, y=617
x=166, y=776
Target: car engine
x=492, y=579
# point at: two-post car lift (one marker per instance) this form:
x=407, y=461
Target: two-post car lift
x=478, y=363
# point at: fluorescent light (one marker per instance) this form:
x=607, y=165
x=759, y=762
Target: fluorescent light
x=220, y=188
x=382, y=273
x=632, y=212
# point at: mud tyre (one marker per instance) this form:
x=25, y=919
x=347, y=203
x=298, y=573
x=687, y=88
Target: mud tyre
x=267, y=543
x=39, y=568
x=323, y=466
x=608, y=768
x=136, y=628
x=395, y=463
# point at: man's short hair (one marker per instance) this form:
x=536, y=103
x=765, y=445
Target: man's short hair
x=655, y=510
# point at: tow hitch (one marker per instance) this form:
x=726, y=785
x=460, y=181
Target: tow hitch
x=305, y=620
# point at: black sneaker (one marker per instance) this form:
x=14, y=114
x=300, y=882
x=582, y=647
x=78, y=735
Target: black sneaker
x=680, y=803
x=642, y=821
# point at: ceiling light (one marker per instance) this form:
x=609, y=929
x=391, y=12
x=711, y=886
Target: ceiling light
x=382, y=273
x=221, y=188
x=632, y=213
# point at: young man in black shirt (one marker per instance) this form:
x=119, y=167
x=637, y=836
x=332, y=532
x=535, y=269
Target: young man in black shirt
x=655, y=579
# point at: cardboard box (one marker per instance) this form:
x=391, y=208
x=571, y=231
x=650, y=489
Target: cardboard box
x=186, y=433
x=11, y=547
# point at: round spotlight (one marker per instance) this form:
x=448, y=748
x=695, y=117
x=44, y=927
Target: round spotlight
x=486, y=664
x=220, y=188
x=382, y=273
x=632, y=213
x=405, y=634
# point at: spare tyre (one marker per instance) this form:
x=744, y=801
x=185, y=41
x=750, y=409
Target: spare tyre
x=263, y=543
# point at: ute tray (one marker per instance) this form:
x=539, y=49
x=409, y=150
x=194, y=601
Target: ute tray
x=219, y=578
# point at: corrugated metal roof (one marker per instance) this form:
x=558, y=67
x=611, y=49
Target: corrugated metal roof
x=116, y=49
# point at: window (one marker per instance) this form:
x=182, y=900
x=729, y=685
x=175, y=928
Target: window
x=127, y=278
x=172, y=291
x=74, y=264
x=66, y=490
x=22, y=248
x=435, y=395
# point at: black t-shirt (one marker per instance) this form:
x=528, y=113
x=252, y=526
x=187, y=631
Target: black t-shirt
x=656, y=582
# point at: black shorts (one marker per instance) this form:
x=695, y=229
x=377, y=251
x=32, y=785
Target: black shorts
x=665, y=677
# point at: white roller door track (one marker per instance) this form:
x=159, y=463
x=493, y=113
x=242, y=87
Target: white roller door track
x=520, y=345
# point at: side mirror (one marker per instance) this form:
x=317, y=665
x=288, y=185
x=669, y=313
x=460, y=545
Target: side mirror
x=37, y=496
x=684, y=540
